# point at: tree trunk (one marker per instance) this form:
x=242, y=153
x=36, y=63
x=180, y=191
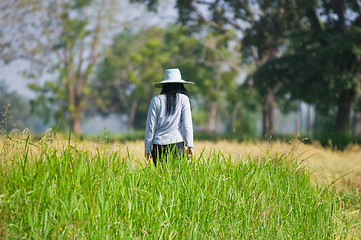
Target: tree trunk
x=344, y=110
x=75, y=122
x=77, y=111
x=340, y=7
x=268, y=105
x=131, y=117
x=234, y=119
x=218, y=122
x=211, y=124
x=356, y=123
x=297, y=120
x=309, y=119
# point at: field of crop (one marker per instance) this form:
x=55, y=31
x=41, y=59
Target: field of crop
x=59, y=189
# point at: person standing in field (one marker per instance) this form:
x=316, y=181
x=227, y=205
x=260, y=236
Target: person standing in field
x=169, y=120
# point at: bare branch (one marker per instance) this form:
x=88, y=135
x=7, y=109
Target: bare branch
x=216, y=26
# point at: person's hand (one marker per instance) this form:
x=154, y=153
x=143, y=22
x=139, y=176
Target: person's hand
x=190, y=153
x=147, y=156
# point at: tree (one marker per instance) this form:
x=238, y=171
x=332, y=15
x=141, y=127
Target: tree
x=124, y=79
x=135, y=60
x=261, y=26
x=264, y=42
x=243, y=107
x=221, y=62
x=356, y=120
x=65, y=44
x=14, y=28
x=13, y=110
x=322, y=63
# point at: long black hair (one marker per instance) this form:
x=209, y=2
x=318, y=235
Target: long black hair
x=171, y=90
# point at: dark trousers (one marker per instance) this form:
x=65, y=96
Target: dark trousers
x=160, y=152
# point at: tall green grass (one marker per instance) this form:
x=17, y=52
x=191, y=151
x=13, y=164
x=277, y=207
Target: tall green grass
x=72, y=193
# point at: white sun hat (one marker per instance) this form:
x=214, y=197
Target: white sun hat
x=171, y=76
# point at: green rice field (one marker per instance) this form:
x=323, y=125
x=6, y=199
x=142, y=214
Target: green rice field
x=72, y=189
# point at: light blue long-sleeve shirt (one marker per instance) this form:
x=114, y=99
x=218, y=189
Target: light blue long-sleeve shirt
x=174, y=128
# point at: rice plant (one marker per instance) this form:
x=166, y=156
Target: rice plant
x=52, y=192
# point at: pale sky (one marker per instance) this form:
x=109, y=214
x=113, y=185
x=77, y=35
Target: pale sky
x=12, y=75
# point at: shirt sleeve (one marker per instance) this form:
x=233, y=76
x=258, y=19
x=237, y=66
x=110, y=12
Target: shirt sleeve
x=150, y=126
x=187, y=123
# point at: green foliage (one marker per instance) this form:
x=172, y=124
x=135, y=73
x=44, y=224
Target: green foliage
x=125, y=76
x=72, y=41
x=243, y=103
x=72, y=192
x=49, y=103
x=135, y=60
x=330, y=58
x=357, y=104
x=336, y=140
x=321, y=63
x=14, y=111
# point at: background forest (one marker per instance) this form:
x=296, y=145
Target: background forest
x=272, y=68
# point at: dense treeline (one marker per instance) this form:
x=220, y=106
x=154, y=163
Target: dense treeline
x=247, y=59
x=135, y=60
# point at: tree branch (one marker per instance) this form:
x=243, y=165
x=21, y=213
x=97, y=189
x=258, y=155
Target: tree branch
x=215, y=25
x=340, y=8
x=312, y=16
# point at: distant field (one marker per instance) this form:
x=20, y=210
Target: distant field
x=60, y=189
